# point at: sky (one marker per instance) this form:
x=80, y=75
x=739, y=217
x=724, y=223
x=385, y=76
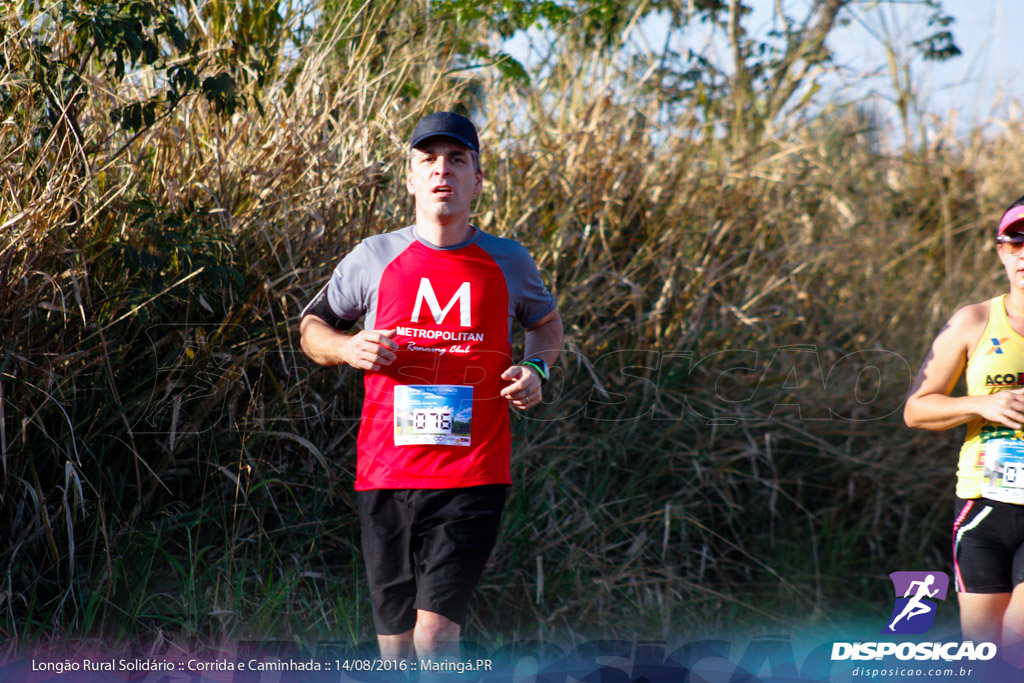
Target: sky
x=989, y=35
x=978, y=87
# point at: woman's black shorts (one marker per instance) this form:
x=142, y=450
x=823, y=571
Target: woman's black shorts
x=988, y=546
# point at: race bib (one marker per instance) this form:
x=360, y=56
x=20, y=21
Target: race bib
x=1003, y=472
x=439, y=414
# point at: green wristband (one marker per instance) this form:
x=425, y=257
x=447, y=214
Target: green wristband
x=540, y=366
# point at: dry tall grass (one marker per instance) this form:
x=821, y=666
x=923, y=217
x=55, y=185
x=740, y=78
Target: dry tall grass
x=716, y=457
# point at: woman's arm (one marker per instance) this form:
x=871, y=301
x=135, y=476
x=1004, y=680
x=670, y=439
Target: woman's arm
x=930, y=406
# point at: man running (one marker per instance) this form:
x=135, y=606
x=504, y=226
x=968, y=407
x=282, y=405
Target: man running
x=437, y=301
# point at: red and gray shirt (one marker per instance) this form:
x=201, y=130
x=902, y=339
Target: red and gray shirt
x=435, y=418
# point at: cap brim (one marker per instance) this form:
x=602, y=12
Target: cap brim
x=1011, y=218
x=458, y=138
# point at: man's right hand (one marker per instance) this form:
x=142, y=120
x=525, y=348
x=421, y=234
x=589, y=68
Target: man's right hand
x=366, y=349
x=370, y=349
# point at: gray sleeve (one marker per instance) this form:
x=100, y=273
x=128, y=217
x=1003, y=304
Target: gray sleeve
x=529, y=298
x=343, y=300
x=348, y=291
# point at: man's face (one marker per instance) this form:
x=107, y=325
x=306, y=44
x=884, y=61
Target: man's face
x=443, y=178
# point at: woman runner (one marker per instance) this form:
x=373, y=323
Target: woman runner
x=985, y=340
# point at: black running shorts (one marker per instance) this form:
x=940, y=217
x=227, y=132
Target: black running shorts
x=425, y=549
x=988, y=546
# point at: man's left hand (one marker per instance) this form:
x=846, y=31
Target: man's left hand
x=525, y=390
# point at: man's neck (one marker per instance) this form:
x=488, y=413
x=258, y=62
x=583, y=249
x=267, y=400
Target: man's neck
x=444, y=235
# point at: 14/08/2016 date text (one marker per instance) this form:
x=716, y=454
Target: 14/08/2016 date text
x=439, y=665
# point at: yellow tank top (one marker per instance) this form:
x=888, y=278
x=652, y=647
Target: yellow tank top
x=997, y=364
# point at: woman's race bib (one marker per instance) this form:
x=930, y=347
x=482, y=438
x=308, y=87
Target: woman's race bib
x=1003, y=471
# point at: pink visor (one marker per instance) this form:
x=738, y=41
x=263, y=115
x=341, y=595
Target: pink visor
x=1011, y=217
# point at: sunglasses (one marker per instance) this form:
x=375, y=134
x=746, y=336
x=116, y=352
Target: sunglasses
x=1012, y=243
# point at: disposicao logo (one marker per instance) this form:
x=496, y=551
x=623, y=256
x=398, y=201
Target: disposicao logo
x=914, y=612
x=916, y=596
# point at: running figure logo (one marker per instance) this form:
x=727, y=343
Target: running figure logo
x=914, y=612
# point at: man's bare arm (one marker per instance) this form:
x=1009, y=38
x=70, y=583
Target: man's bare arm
x=544, y=341
x=366, y=349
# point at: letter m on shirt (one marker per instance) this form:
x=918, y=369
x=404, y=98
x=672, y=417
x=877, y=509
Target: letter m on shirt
x=426, y=293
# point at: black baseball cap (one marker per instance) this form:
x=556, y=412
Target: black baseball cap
x=447, y=124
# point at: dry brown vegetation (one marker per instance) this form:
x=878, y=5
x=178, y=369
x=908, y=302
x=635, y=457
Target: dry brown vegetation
x=715, y=455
